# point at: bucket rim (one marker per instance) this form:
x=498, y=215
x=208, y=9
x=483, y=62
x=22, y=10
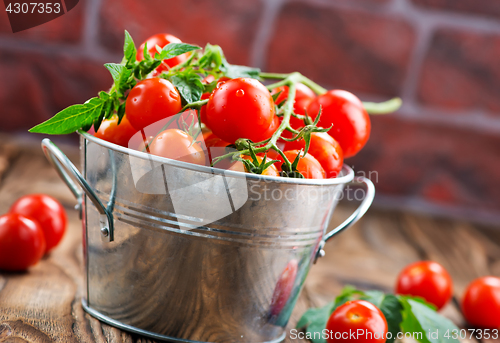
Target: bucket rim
x=348, y=173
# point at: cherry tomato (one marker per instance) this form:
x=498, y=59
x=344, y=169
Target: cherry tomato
x=325, y=149
x=284, y=288
x=161, y=39
x=22, y=243
x=177, y=145
x=303, y=97
x=47, y=212
x=481, y=302
x=215, y=147
x=353, y=316
x=118, y=134
x=307, y=166
x=351, y=123
x=150, y=101
x=426, y=279
x=240, y=108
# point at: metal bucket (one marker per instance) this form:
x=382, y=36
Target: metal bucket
x=188, y=253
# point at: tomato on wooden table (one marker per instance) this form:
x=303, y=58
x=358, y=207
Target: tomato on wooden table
x=357, y=315
x=152, y=100
x=325, y=149
x=177, y=145
x=240, y=108
x=351, y=123
x=428, y=280
x=116, y=133
x=308, y=166
x=47, y=212
x=161, y=39
x=22, y=243
x=481, y=302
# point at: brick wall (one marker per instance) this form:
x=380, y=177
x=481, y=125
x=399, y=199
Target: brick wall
x=440, y=153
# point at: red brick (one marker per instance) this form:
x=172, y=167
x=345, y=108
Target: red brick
x=445, y=165
x=461, y=71
x=36, y=86
x=354, y=50
x=230, y=24
x=487, y=8
x=65, y=29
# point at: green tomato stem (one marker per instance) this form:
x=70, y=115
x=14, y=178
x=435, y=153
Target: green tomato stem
x=385, y=107
x=196, y=104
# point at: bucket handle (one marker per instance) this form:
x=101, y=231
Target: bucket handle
x=69, y=174
x=360, y=211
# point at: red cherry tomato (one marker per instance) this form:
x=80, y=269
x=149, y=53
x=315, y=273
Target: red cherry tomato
x=323, y=148
x=150, y=101
x=161, y=39
x=22, y=243
x=351, y=123
x=357, y=315
x=177, y=145
x=307, y=166
x=240, y=108
x=481, y=302
x=428, y=280
x=118, y=134
x=214, y=147
x=47, y=212
x=284, y=288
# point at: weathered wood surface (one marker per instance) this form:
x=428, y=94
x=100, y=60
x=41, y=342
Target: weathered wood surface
x=43, y=304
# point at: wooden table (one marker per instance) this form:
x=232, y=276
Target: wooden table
x=43, y=304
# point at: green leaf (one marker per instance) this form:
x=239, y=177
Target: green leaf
x=72, y=118
x=420, y=318
x=235, y=71
x=314, y=319
x=129, y=50
x=189, y=86
x=121, y=75
x=176, y=49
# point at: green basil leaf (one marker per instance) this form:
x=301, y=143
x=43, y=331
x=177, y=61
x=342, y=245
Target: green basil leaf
x=189, y=86
x=129, y=50
x=72, y=118
x=121, y=75
x=314, y=319
x=419, y=318
x=235, y=71
x=176, y=49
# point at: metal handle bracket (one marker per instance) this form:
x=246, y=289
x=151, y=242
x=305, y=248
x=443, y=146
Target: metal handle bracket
x=360, y=211
x=70, y=174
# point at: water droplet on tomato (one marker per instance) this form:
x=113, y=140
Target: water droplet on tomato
x=240, y=92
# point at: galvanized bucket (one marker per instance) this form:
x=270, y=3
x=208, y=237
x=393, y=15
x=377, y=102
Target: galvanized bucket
x=188, y=253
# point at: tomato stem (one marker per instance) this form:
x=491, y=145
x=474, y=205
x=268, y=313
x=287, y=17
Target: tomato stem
x=298, y=78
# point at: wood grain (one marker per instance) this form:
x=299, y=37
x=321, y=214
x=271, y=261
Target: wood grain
x=43, y=304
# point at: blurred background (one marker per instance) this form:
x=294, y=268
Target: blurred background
x=439, y=154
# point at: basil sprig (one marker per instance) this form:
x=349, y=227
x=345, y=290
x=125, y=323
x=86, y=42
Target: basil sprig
x=125, y=76
x=403, y=314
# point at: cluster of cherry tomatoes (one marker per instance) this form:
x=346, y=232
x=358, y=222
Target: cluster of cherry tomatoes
x=33, y=227
x=240, y=108
x=430, y=281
